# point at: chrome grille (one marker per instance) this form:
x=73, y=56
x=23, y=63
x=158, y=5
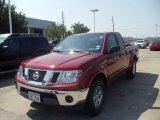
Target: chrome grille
x=45, y=77
x=55, y=77
x=32, y=75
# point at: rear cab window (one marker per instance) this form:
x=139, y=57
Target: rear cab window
x=120, y=41
x=111, y=42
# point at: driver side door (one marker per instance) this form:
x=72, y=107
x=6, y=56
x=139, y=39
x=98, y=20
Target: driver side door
x=112, y=58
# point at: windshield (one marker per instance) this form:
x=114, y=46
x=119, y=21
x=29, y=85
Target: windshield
x=140, y=41
x=87, y=42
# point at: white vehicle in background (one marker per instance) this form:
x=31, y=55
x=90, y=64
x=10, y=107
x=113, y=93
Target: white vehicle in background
x=141, y=43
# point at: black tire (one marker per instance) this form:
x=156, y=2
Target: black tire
x=95, y=98
x=131, y=72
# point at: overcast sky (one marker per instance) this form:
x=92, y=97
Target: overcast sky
x=135, y=18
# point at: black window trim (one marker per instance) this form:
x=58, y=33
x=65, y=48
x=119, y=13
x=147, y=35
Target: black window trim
x=111, y=34
x=118, y=42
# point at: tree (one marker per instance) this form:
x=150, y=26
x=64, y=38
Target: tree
x=18, y=19
x=68, y=33
x=55, y=30
x=79, y=28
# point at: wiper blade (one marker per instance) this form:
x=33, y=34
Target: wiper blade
x=57, y=51
x=80, y=51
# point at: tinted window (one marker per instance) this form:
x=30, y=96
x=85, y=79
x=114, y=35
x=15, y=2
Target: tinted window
x=12, y=47
x=120, y=41
x=12, y=44
x=40, y=42
x=44, y=42
x=26, y=45
x=111, y=42
x=2, y=39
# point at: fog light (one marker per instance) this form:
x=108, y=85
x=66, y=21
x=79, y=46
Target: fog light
x=69, y=99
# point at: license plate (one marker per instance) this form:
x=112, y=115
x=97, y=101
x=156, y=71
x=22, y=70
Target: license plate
x=34, y=97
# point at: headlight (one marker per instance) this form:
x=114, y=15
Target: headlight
x=70, y=76
x=20, y=71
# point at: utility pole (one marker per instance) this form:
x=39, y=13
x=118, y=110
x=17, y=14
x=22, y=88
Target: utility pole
x=10, y=18
x=94, y=10
x=156, y=31
x=63, y=25
x=113, y=23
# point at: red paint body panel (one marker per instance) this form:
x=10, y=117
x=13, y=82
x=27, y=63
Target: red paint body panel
x=155, y=45
x=60, y=61
x=92, y=64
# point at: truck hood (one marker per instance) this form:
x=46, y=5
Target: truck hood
x=60, y=60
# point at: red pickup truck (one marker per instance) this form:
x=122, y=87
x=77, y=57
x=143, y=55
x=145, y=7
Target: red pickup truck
x=77, y=71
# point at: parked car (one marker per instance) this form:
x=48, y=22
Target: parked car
x=78, y=71
x=15, y=48
x=132, y=42
x=141, y=44
x=154, y=45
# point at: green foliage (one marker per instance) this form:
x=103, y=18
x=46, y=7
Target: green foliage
x=68, y=33
x=55, y=30
x=79, y=28
x=18, y=19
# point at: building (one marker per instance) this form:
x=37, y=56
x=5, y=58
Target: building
x=37, y=26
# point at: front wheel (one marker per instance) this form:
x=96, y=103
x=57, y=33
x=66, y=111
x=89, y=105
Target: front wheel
x=95, y=99
x=131, y=72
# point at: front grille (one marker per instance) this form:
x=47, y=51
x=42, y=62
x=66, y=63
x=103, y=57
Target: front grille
x=55, y=77
x=36, y=75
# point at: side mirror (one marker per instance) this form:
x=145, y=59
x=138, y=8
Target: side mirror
x=114, y=49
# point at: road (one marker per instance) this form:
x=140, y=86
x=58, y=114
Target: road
x=126, y=99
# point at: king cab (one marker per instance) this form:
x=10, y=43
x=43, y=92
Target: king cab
x=77, y=71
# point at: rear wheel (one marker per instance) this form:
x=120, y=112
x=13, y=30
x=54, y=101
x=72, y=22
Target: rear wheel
x=131, y=72
x=95, y=99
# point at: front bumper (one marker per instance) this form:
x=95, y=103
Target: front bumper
x=54, y=96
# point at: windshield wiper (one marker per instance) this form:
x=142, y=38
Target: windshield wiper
x=80, y=51
x=57, y=51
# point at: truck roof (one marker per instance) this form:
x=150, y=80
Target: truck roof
x=96, y=33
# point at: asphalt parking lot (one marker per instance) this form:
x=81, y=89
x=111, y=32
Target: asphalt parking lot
x=126, y=99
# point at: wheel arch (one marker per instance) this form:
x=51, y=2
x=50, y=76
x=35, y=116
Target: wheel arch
x=102, y=76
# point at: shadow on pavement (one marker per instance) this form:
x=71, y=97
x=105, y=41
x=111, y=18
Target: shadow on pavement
x=7, y=79
x=125, y=100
